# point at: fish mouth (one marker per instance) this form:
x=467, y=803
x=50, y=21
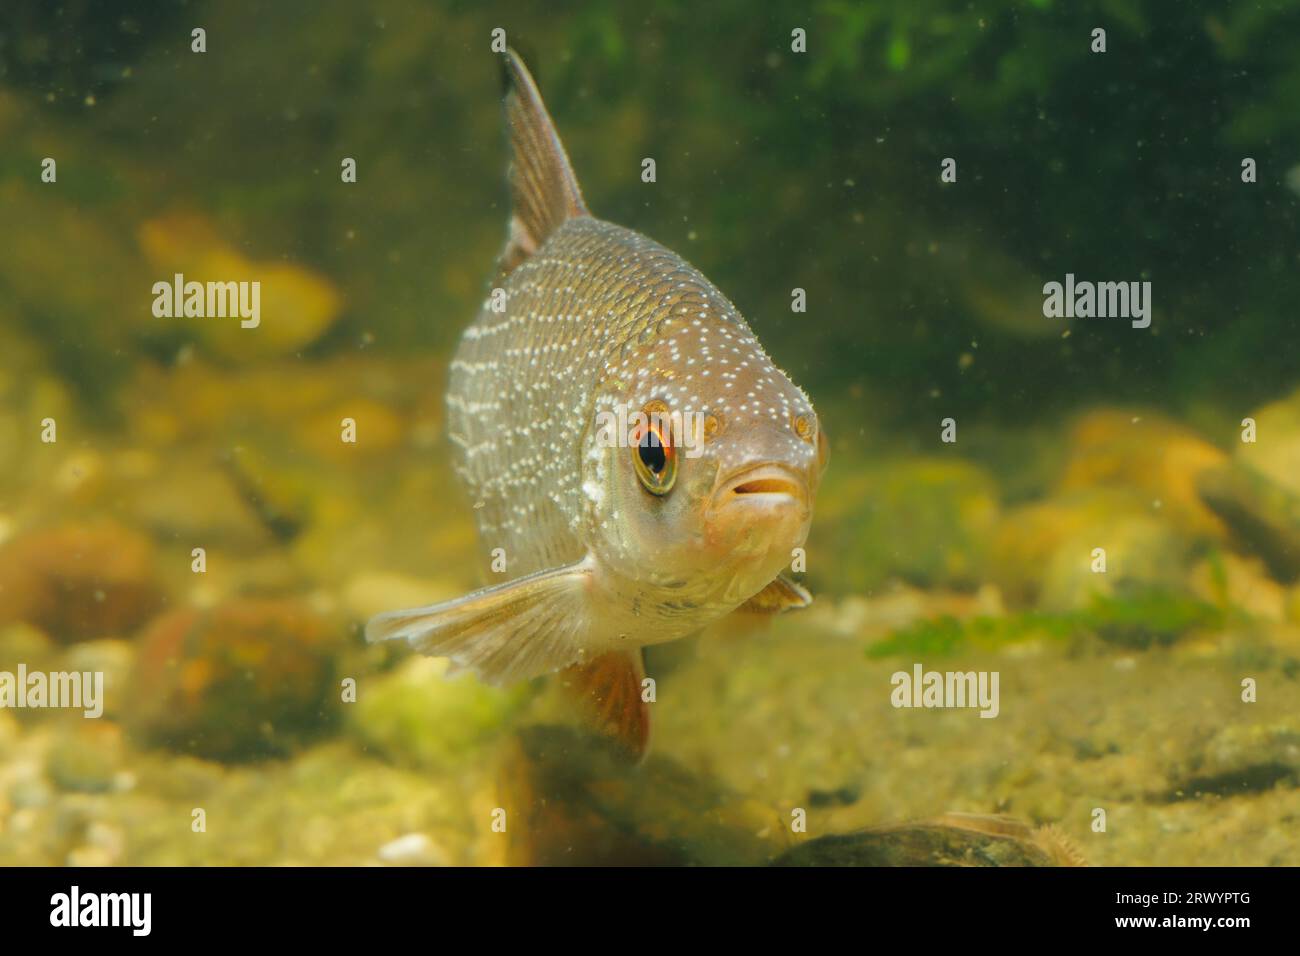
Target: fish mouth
x=762, y=484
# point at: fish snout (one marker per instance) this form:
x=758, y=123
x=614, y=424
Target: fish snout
x=770, y=485
x=757, y=514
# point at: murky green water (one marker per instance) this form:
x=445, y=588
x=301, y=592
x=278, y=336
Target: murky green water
x=180, y=512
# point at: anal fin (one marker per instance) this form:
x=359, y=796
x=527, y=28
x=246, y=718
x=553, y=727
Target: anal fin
x=609, y=688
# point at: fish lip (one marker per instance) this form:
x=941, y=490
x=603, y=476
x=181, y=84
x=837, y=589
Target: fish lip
x=767, y=483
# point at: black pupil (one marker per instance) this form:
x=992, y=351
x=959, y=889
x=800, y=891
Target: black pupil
x=652, y=453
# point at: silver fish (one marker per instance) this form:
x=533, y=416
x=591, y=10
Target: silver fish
x=611, y=541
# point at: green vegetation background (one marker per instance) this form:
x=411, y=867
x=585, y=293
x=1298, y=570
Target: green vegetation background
x=775, y=170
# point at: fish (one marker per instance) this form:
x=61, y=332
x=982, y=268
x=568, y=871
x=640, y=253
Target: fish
x=608, y=539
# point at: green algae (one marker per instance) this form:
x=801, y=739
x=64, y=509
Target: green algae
x=1141, y=620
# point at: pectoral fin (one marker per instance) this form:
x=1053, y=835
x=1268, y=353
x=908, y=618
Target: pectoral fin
x=511, y=632
x=609, y=688
x=781, y=595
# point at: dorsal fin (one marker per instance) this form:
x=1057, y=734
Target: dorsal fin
x=543, y=191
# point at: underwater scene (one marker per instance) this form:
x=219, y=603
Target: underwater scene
x=500, y=434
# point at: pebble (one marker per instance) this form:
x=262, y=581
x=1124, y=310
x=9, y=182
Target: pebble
x=412, y=849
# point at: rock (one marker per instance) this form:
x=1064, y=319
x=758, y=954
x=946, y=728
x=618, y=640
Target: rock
x=1029, y=535
x=93, y=842
x=1227, y=579
x=573, y=799
x=1142, y=555
x=898, y=607
x=1258, y=493
x=378, y=430
x=1275, y=453
x=28, y=789
x=1263, y=513
x=412, y=849
x=297, y=306
x=952, y=840
x=87, y=757
x=1129, y=484
x=80, y=477
x=22, y=643
x=112, y=658
x=196, y=503
x=1043, y=552
x=1145, y=617
x=92, y=856
x=27, y=394
x=86, y=322
x=1239, y=758
x=282, y=498
x=1146, y=456
x=249, y=678
x=8, y=734
x=416, y=717
x=79, y=581
x=926, y=520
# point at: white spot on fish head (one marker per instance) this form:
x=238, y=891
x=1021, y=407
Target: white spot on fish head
x=706, y=372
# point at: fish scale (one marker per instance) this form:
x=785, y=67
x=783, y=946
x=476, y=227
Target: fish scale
x=523, y=382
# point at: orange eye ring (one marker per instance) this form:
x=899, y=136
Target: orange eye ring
x=655, y=460
x=712, y=424
x=803, y=427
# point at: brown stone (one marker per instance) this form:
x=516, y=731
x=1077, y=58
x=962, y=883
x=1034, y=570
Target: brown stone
x=78, y=581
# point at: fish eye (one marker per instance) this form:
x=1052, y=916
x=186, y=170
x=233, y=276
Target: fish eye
x=803, y=427
x=655, y=460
